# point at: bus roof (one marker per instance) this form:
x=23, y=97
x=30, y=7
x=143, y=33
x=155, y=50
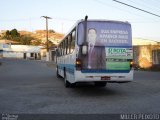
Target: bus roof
x=93, y=20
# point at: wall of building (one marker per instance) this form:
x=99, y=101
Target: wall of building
x=20, y=55
x=43, y=53
x=1, y=46
x=145, y=56
x=156, y=56
x=52, y=55
x=7, y=54
x=20, y=51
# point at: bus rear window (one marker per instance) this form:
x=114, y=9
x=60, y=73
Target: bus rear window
x=104, y=33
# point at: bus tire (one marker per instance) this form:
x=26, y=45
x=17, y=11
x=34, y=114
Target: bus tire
x=57, y=73
x=66, y=83
x=100, y=84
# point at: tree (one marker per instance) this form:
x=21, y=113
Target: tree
x=36, y=42
x=51, y=31
x=26, y=40
x=14, y=33
x=7, y=34
x=11, y=35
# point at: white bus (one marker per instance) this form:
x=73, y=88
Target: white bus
x=98, y=51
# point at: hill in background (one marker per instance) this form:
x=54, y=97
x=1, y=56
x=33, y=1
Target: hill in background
x=40, y=35
x=37, y=37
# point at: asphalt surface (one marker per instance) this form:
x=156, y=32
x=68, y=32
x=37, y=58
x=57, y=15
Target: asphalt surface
x=32, y=87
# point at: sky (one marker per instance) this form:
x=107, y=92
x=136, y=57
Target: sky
x=26, y=14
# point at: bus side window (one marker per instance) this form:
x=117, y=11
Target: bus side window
x=60, y=52
x=69, y=43
x=66, y=45
x=61, y=48
x=57, y=52
x=73, y=41
x=63, y=53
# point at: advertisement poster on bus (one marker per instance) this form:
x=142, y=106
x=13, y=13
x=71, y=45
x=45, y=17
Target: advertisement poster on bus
x=106, y=33
x=109, y=43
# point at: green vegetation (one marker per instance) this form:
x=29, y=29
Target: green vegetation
x=14, y=35
x=11, y=35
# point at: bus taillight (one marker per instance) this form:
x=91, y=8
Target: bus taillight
x=131, y=64
x=78, y=64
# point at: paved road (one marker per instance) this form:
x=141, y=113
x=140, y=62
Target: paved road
x=32, y=87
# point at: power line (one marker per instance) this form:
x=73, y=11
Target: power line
x=109, y=5
x=18, y=20
x=31, y=19
x=136, y=8
x=150, y=5
x=142, y=3
x=65, y=19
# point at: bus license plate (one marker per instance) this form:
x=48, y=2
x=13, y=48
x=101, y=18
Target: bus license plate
x=105, y=78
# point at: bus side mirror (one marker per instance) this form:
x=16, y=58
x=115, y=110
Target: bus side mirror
x=84, y=49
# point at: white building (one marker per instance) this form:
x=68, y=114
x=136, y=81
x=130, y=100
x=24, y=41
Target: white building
x=1, y=50
x=20, y=51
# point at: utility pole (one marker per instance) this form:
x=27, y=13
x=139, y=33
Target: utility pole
x=46, y=17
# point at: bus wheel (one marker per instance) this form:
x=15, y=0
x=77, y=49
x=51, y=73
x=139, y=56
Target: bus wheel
x=100, y=84
x=57, y=73
x=67, y=84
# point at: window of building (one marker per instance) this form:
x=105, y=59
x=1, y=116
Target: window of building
x=32, y=54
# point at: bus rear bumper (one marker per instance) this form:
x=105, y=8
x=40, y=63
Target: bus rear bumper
x=108, y=77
